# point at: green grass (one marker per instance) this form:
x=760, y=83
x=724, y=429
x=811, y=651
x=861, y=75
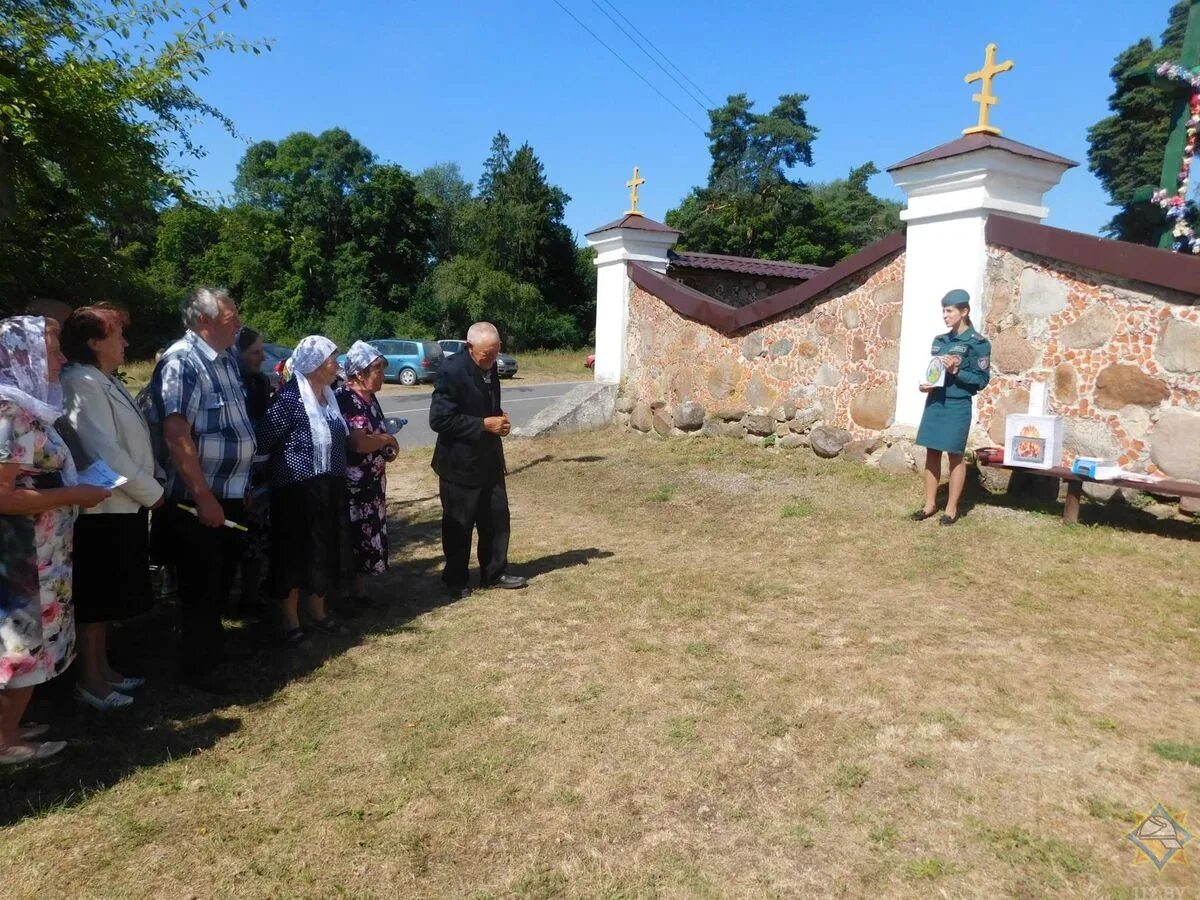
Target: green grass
x=851, y=776
x=929, y=868
x=661, y=494
x=1050, y=858
x=798, y=509
x=1185, y=753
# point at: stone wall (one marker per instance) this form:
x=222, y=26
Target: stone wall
x=831, y=362
x=730, y=287
x=1122, y=361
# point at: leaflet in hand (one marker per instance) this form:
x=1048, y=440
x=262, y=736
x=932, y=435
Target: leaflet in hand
x=100, y=474
x=935, y=374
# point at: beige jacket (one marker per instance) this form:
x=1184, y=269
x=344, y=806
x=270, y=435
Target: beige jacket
x=111, y=428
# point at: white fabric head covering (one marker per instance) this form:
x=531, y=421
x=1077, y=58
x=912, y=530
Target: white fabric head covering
x=360, y=357
x=308, y=356
x=25, y=378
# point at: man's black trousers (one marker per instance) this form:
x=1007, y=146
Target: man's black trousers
x=465, y=509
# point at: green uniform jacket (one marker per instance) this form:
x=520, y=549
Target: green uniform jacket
x=947, y=417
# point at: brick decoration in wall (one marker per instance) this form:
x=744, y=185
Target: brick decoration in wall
x=839, y=352
x=1121, y=359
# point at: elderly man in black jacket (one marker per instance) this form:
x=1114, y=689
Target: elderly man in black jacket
x=469, y=460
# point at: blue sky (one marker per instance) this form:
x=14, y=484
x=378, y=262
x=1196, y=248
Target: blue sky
x=421, y=83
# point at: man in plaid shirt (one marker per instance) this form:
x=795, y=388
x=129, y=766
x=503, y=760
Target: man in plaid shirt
x=204, y=447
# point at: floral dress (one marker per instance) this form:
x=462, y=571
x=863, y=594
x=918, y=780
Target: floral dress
x=367, y=483
x=37, y=620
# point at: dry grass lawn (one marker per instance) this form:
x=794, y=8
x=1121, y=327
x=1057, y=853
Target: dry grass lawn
x=737, y=673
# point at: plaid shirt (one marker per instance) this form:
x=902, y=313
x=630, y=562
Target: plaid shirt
x=205, y=387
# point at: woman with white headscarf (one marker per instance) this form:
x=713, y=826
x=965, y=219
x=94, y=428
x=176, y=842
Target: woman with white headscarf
x=304, y=436
x=39, y=493
x=366, y=463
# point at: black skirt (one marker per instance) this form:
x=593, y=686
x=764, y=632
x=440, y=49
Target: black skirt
x=112, y=566
x=310, y=537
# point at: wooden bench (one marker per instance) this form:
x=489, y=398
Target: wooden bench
x=1075, y=486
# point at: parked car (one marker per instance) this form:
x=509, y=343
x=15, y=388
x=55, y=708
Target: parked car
x=274, y=356
x=408, y=361
x=506, y=363
x=590, y=362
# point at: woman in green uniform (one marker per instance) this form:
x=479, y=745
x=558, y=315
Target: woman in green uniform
x=966, y=355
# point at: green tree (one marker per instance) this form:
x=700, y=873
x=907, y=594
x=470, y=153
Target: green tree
x=754, y=204
x=1126, y=148
x=96, y=105
x=448, y=194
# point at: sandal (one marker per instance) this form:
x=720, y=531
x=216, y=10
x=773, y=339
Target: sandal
x=920, y=515
x=295, y=638
x=14, y=756
x=32, y=730
x=949, y=520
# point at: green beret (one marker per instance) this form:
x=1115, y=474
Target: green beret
x=957, y=297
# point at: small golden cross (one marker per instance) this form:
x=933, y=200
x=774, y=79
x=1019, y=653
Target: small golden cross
x=985, y=98
x=633, y=186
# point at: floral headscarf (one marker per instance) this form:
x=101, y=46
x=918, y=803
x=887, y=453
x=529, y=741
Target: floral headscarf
x=25, y=378
x=308, y=356
x=360, y=358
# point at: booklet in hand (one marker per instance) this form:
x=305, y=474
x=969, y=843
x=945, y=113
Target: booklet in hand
x=935, y=374
x=100, y=474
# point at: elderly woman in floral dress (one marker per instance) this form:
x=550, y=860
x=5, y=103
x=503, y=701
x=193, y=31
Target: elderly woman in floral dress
x=369, y=446
x=39, y=493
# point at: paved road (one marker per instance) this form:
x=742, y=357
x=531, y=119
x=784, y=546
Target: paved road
x=521, y=404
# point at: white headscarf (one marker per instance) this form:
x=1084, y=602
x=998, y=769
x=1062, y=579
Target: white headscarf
x=360, y=357
x=25, y=379
x=308, y=356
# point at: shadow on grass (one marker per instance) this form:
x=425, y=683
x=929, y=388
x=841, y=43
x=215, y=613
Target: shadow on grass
x=169, y=721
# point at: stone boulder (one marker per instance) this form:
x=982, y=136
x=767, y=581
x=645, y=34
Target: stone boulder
x=1091, y=330
x=760, y=394
x=897, y=460
x=752, y=345
x=792, y=441
x=1179, y=346
x=731, y=429
x=780, y=348
x=1042, y=296
x=1089, y=437
x=724, y=379
x=874, y=407
x=662, y=421
x=887, y=359
x=805, y=419
x=688, y=415
x=828, y=376
x=1066, y=384
x=758, y=424
x=858, y=451
x=889, y=328
x=1012, y=354
x=624, y=404
x=1174, y=442
x=827, y=441
x=642, y=418
x=732, y=413
x=889, y=292
x=1118, y=386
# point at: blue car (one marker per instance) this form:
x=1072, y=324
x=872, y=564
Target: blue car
x=408, y=361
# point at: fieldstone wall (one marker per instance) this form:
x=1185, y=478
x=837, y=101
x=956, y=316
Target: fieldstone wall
x=731, y=288
x=1122, y=361
x=822, y=375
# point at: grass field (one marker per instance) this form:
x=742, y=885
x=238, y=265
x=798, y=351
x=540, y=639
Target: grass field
x=736, y=673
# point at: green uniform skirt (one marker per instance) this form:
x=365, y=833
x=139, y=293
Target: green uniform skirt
x=945, y=423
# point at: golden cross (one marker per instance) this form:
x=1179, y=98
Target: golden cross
x=985, y=98
x=633, y=185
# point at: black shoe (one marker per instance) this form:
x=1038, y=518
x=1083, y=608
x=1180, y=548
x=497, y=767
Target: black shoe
x=509, y=582
x=920, y=515
x=948, y=520
x=458, y=593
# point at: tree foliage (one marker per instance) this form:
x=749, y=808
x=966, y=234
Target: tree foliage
x=755, y=205
x=96, y=113
x=1126, y=148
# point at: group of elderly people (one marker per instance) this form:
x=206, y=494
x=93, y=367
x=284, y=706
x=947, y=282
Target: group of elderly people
x=236, y=478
